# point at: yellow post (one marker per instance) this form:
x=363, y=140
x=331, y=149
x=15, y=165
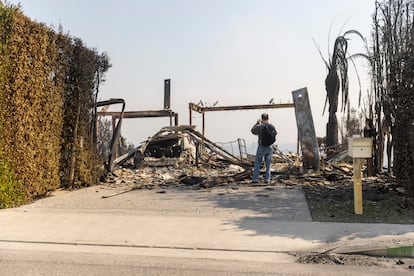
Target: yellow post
x=358, y=185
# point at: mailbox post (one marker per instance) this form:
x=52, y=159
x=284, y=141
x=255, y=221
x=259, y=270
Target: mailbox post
x=359, y=149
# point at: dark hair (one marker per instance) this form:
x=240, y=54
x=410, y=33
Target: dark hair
x=265, y=116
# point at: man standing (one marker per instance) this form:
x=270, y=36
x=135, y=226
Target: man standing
x=267, y=136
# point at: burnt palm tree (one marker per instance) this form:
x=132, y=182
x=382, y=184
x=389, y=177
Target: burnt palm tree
x=337, y=81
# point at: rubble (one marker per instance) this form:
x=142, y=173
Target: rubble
x=182, y=157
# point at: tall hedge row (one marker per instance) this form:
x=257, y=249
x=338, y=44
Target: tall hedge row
x=48, y=83
x=393, y=72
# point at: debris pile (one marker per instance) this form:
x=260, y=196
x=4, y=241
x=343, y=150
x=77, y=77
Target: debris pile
x=181, y=156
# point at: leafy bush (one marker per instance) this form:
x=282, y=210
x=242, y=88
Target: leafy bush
x=11, y=191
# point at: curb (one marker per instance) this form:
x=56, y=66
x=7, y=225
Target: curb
x=400, y=251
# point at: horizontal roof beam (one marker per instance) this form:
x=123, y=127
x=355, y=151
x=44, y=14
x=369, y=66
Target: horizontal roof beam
x=202, y=109
x=139, y=114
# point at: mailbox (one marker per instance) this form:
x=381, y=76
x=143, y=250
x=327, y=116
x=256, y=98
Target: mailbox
x=360, y=147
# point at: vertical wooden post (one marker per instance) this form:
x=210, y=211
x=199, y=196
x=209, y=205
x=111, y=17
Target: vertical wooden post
x=197, y=153
x=113, y=124
x=191, y=114
x=167, y=94
x=176, y=119
x=203, y=124
x=297, y=145
x=116, y=149
x=357, y=164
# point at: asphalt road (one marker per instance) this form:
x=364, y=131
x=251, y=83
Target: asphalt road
x=58, y=261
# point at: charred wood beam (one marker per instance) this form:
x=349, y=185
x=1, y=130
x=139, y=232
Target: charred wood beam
x=139, y=114
x=117, y=130
x=210, y=183
x=122, y=159
x=143, y=114
x=280, y=154
x=109, y=102
x=202, y=109
x=216, y=148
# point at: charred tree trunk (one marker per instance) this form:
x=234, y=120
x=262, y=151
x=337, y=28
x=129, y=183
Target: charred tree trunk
x=72, y=163
x=332, y=91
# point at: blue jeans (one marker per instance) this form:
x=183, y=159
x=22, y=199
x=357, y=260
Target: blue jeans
x=266, y=153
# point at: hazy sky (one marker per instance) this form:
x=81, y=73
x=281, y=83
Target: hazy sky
x=235, y=52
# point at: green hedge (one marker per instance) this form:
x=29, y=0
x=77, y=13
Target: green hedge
x=48, y=85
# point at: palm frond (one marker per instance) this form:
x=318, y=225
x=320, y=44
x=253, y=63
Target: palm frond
x=356, y=33
x=361, y=55
x=329, y=35
x=341, y=47
x=324, y=106
x=343, y=25
x=358, y=78
x=320, y=53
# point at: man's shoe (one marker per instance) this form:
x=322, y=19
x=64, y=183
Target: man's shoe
x=255, y=181
x=267, y=181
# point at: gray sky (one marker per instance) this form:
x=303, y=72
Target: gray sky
x=235, y=52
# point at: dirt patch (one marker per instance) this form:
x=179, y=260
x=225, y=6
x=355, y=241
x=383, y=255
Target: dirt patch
x=383, y=201
x=354, y=260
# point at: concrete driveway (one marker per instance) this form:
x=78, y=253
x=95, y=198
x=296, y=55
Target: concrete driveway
x=239, y=218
